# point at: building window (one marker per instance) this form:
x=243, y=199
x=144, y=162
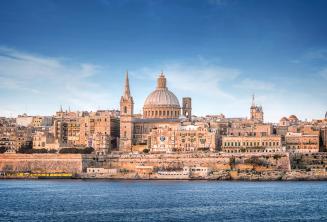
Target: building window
x=125, y=109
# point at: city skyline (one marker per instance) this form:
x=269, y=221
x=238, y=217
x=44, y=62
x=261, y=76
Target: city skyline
x=217, y=52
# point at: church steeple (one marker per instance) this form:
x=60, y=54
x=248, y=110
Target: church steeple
x=126, y=101
x=253, y=100
x=127, y=92
x=126, y=117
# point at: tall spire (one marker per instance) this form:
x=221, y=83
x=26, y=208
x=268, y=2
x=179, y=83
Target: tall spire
x=127, y=92
x=253, y=99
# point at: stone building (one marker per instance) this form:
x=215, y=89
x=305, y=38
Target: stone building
x=187, y=108
x=284, y=122
x=33, y=121
x=23, y=137
x=256, y=112
x=15, y=137
x=45, y=140
x=190, y=138
x=79, y=130
x=104, y=122
x=323, y=136
x=160, y=107
x=101, y=143
x=24, y=120
x=253, y=129
x=301, y=143
x=42, y=121
x=241, y=144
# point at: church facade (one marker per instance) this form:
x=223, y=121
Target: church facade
x=160, y=108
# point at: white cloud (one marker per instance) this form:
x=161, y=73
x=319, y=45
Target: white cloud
x=255, y=85
x=216, y=89
x=38, y=85
x=52, y=79
x=200, y=79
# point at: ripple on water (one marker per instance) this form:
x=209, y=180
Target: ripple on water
x=77, y=200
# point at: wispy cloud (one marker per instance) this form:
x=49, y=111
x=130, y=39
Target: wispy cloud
x=317, y=54
x=196, y=78
x=323, y=73
x=254, y=85
x=51, y=78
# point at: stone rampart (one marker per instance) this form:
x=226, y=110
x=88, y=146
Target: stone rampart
x=309, y=161
x=42, y=163
x=215, y=161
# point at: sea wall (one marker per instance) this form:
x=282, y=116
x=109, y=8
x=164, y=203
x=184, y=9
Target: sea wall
x=308, y=161
x=43, y=163
x=214, y=161
x=223, y=166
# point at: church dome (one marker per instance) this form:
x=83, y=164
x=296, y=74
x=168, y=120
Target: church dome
x=293, y=117
x=283, y=119
x=161, y=103
x=161, y=97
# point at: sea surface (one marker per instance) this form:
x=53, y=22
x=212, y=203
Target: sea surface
x=107, y=200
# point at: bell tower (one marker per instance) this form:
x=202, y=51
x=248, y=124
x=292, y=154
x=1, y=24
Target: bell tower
x=126, y=117
x=187, y=107
x=256, y=112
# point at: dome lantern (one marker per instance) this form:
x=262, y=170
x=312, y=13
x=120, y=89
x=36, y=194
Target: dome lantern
x=162, y=82
x=161, y=103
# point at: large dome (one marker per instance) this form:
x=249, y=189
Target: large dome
x=161, y=97
x=161, y=103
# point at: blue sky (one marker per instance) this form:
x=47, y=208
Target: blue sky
x=219, y=52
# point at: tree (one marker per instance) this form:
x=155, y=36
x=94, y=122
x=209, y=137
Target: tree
x=69, y=150
x=27, y=149
x=146, y=150
x=40, y=150
x=3, y=149
x=87, y=150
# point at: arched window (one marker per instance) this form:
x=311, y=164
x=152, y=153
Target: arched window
x=125, y=109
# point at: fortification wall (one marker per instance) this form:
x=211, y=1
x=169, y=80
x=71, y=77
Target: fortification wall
x=77, y=163
x=309, y=161
x=217, y=162
x=43, y=163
